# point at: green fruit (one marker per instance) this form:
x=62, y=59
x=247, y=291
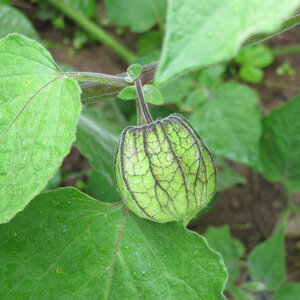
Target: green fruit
x=163, y=170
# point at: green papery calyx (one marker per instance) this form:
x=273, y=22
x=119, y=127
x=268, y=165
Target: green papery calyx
x=163, y=170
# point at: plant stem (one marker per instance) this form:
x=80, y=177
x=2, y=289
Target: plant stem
x=94, y=30
x=286, y=212
x=98, y=77
x=292, y=49
x=140, y=117
x=281, y=86
x=94, y=92
x=142, y=102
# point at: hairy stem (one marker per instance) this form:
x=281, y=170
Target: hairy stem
x=287, y=210
x=143, y=105
x=286, y=50
x=98, y=77
x=94, y=30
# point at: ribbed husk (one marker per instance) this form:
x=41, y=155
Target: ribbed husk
x=163, y=170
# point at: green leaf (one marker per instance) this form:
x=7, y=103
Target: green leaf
x=280, y=145
x=102, y=188
x=97, y=140
x=285, y=68
x=260, y=37
x=289, y=291
x=176, y=90
x=207, y=82
x=196, y=36
x=39, y=112
x=88, y=8
x=229, y=123
x=80, y=39
x=256, y=56
x=251, y=74
x=227, y=176
x=149, y=42
x=238, y=293
x=134, y=71
x=128, y=93
x=152, y=94
x=211, y=77
x=195, y=98
x=66, y=245
x=12, y=20
x=267, y=261
x=230, y=248
x=139, y=16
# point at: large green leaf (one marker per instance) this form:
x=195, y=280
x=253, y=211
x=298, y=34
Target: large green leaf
x=289, y=291
x=12, y=20
x=98, y=141
x=39, y=108
x=280, y=145
x=138, y=15
x=266, y=261
x=231, y=249
x=66, y=245
x=200, y=33
x=229, y=123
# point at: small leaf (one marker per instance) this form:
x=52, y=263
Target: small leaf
x=280, y=145
x=14, y=21
x=134, y=71
x=196, y=36
x=139, y=16
x=152, y=94
x=289, y=291
x=266, y=261
x=224, y=123
x=67, y=245
x=256, y=56
x=128, y=93
x=251, y=74
x=39, y=111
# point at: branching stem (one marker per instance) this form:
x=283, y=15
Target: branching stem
x=143, y=105
x=98, y=77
